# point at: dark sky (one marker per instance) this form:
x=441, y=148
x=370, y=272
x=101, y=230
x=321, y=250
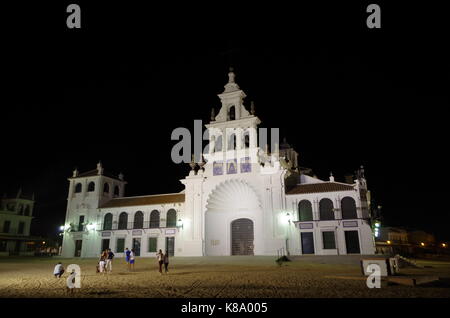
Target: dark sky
x=342, y=94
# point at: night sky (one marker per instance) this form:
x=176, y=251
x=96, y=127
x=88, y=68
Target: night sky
x=342, y=95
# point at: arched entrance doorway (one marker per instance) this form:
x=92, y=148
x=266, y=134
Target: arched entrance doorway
x=242, y=237
x=232, y=217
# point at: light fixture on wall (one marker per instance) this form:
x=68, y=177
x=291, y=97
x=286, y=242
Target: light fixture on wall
x=180, y=223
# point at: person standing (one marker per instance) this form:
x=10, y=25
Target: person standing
x=102, y=262
x=132, y=259
x=127, y=257
x=160, y=258
x=59, y=270
x=109, y=259
x=166, y=262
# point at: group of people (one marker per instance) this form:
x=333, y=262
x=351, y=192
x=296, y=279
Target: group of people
x=163, y=259
x=129, y=258
x=105, y=261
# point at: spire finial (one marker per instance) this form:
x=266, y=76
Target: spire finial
x=231, y=86
x=75, y=173
x=252, y=108
x=99, y=168
x=121, y=176
x=193, y=164
x=231, y=75
x=331, y=177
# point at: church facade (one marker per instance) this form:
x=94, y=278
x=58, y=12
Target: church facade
x=239, y=200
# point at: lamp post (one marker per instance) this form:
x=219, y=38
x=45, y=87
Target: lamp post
x=288, y=217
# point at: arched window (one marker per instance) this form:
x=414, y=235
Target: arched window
x=20, y=209
x=138, y=220
x=91, y=186
x=78, y=188
x=211, y=143
x=232, y=142
x=116, y=191
x=247, y=139
x=106, y=188
x=305, y=211
x=27, y=210
x=154, y=219
x=218, y=146
x=123, y=220
x=326, y=209
x=171, y=219
x=348, y=208
x=232, y=113
x=107, y=221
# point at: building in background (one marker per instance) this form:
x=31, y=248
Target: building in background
x=16, y=214
x=407, y=242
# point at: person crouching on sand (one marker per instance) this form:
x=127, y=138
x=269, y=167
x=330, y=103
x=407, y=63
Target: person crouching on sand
x=166, y=262
x=59, y=270
x=160, y=258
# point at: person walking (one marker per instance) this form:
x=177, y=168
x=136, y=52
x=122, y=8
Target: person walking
x=109, y=259
x=132, y=259
x=166, y=262
x=160, y=258
x=59, y=270
x=127, y=257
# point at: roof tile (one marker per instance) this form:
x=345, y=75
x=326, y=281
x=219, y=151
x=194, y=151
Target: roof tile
x=145, y=200
x=320, y=187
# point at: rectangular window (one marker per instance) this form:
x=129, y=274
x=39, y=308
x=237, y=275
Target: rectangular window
x=21, y=228
x=152, y=243
x=120, y=246
x=328, y=240
x=6, y=226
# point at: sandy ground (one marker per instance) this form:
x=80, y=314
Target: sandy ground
x=213, y=277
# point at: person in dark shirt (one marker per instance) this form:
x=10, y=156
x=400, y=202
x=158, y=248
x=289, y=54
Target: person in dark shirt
x=109, y=259
x=166, y=262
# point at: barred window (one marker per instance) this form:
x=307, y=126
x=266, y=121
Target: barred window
x=326, y=209
x=305, y=211
x=152, y=244
x=348, y=206
x=120, y=246
x=154, y=219
x=328, y=240
x=171, y=218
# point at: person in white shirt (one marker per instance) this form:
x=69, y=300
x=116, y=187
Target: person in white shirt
x=59, y=270
x=132, y=259
x=160, y=258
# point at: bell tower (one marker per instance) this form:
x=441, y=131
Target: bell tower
x=233, y=132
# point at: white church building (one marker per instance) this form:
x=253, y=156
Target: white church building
x=240, y=200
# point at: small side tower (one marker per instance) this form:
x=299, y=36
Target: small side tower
x=87, y=192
